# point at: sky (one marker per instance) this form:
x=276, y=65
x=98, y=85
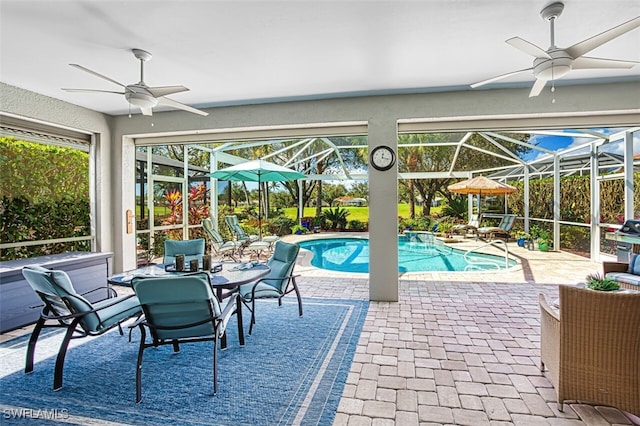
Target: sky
x=555, y=143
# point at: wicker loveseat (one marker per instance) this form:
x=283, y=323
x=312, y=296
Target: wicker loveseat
x=591, y=347
x=626, y=274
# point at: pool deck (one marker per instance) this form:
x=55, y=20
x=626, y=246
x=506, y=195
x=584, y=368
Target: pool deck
x=458, y=348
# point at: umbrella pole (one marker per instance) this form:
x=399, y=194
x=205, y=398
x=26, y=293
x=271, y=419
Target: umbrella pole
x=259, y=208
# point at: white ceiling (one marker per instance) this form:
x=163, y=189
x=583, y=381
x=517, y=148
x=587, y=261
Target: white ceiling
x=239, y=52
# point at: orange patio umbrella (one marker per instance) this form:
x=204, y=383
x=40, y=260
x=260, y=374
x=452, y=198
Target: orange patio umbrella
x=480, y=185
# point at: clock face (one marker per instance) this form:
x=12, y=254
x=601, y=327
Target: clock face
x=383, y=158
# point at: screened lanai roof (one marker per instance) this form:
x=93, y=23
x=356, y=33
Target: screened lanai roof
x=536, y=149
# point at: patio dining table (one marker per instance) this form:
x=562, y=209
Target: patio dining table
x=230, y=278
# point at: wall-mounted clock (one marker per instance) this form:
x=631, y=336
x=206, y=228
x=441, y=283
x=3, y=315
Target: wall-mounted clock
x=382, y=157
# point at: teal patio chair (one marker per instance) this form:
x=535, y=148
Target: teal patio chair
x=279, y=282
x=64, y=308
x=219, y=247
x=503, y=230
x=192, y=249
x=192, y=314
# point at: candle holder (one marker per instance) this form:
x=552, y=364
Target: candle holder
x=179, y=262
x=193, y=265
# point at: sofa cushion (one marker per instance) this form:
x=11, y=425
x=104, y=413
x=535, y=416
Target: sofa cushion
x=634, y=264
x=624, y=277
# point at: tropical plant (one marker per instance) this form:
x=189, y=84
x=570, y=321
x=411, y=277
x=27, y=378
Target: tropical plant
x=456, y=207
x=598, y=282
x=337, y=217
x=356, y=225
x=522, y=235
x=445, y=226
x=543, y=237
x=298, y=229
x=197, y=208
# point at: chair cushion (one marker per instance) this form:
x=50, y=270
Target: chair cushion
x=123, y=307
x=624, y=277
x=263, y=290
x=634, y=264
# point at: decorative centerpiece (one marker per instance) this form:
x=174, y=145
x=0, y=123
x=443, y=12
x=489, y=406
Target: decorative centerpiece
x=600, y=283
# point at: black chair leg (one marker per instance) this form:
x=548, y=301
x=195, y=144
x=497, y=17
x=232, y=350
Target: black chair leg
x=253, y=315
x=62, y=353
x=176, y=346
x=239, y=319
x=28, y=368
x=295, y=287
x=143, y=336
x=215, y=364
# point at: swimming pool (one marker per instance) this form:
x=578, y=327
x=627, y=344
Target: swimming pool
x=352, y=255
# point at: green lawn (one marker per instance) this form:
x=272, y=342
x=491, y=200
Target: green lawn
x=355, y=213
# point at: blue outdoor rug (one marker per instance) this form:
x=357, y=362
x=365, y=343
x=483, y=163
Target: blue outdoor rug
x=292, y=370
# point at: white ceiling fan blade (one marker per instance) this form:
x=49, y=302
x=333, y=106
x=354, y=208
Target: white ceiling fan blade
x=97, y=74
x=589, y=44
x=146, y=111
x=166, y=90
x=528, y=47
x=92, y=91
x=537, y=87
x=585, y=63
x=500, y=77
x=170, y=102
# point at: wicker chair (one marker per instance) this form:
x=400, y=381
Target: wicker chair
x=591, y=347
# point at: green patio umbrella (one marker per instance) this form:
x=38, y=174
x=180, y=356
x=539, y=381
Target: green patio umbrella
x=257, y=171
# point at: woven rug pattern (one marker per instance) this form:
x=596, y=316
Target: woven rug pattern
x=292, y=370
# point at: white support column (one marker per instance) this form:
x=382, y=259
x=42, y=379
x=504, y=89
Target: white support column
x=595, y=204
x=526, y=198
x=185, y=192
x=383, y=217
x=556, y=203
x=213, y=202
x=300, y=203
x=628, y=176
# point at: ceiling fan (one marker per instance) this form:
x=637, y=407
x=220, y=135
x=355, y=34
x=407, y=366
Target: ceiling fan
x=556, y=62
x=139, y=94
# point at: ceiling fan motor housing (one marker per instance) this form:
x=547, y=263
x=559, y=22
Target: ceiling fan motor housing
x=142, y=100
x=550, y=69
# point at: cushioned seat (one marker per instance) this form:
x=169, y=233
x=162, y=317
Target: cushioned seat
x=192, y=249
x=278, y=283
x=626, y=274
x=64, y=308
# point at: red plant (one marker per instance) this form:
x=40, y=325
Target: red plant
x=196, y=206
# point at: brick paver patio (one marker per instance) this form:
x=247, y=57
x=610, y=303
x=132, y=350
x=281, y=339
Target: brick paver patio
x=458, y=348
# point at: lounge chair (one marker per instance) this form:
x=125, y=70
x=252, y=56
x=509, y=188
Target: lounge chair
x=252, y=243
x=469, y=228
x=501, y=231
x=219, y=247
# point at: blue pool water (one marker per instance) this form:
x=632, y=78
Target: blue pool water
x=352, y=255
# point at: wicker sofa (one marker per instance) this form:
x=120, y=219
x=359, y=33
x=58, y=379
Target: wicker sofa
x=626, y=274
x=591, y=347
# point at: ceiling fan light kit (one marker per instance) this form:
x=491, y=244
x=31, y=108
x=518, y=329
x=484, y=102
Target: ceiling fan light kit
x=555, y=62
x=139, y=94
